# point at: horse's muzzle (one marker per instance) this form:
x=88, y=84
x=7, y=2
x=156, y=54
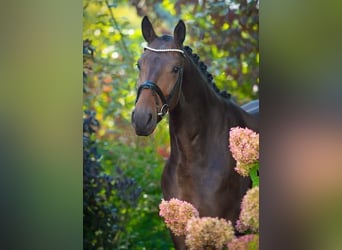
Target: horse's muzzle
x=144, y=122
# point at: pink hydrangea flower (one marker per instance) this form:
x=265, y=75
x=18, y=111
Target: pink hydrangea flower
x=249, y=215
x=246, y=242
x=208, y=233
x=244, y=145
x=176, y=214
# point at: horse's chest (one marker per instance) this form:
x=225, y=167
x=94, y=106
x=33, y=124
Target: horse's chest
x=196, y=181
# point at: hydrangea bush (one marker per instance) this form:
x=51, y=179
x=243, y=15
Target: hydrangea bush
x=208, y=233
x=176, y=214
x=182, y=218
x=244, y=146
x=250, y=242
x=249, y=215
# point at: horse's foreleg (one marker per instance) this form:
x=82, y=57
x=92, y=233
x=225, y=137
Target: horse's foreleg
x=179, y=242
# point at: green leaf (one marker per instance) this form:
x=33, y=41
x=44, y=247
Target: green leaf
x=253, y=173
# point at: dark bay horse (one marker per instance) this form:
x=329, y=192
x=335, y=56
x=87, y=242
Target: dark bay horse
x=200, y=169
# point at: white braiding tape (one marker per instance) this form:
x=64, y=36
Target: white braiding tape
x=164, y=50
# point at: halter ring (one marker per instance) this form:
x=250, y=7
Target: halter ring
x=164, y=109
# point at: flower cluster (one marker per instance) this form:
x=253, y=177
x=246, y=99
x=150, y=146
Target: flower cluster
x=244, y=145
x=176, y=214
x=208, y=232
x=250, y=241
x=249, y=215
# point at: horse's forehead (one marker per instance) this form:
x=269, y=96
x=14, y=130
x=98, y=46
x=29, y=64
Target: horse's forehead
x=161, y=57
x=162, y=44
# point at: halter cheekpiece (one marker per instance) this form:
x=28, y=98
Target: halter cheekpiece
x=154, y=87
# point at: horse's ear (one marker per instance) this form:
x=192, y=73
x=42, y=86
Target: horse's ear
x=179, y=33
x=147, y=30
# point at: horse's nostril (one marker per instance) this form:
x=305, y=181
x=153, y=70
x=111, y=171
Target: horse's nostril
x=149, y=118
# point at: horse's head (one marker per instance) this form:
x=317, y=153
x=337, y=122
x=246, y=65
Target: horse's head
x=160, y=77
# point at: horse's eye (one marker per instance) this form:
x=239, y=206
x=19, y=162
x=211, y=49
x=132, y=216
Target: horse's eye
x=138, y=66
x=175, y=69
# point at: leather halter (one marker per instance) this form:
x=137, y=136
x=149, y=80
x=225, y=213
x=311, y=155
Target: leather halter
x=154, y=87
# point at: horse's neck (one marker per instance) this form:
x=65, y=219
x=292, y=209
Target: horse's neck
x=196, y=101
x=201, y=113
x=197, y=107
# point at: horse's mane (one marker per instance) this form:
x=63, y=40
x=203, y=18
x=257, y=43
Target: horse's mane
x=203, y=68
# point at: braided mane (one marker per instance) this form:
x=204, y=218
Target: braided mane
x=196, y=59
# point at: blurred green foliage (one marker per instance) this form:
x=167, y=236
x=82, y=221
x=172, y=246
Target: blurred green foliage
x=223, y=33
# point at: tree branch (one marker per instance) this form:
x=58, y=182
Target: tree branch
x=116, y=25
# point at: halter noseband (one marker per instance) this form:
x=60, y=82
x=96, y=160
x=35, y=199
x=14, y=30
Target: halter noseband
x=153, y=86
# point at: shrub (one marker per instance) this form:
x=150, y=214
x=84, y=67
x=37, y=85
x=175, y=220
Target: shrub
x=104, y=196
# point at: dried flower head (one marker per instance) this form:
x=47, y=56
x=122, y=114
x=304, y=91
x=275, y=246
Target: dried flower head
x=207, y=232
x=246, y=242
x=176, y=214
x=244, y=145
x=249, y=215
